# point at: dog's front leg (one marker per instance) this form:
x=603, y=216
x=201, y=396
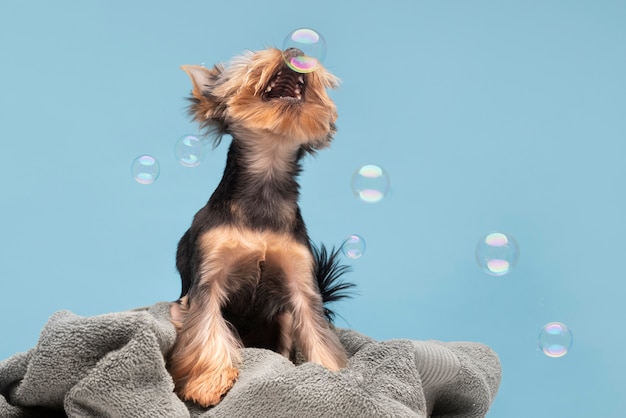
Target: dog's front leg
x=311, y=330
x=204, y=358
x=206, y=354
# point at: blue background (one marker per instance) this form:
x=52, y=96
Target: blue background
x=487, y=115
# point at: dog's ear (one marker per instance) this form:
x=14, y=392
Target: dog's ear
x=206, y=108
x=201, y=77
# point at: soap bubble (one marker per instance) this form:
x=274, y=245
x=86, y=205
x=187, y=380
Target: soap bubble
x=353, y=247
x=555, y=339
x=145, y=169
x=497, y=253
x=313, y=46
x=370, y=183
x=189, y=150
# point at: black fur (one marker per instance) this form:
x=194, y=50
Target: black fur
x=251, y=312
x=250, y=275
x=253, y=306
x=328, y=271
x=255, y=197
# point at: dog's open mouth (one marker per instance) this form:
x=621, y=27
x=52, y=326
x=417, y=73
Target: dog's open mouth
x=286, y=85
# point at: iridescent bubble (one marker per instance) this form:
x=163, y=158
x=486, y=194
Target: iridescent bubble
x=497, y=253
x=370, y=183
x=353, y=247
x=313, y=48
x=145, y=169
x=555, y=339
x=189, y=150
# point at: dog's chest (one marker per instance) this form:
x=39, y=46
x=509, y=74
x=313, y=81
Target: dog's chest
x=259, y=184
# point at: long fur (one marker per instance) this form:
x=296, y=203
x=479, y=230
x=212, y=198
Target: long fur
x=250, y=275
x=329, y=272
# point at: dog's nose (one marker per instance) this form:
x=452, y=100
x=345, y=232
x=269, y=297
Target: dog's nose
x=290, y=53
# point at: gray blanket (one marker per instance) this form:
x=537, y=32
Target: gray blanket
x=113, y=366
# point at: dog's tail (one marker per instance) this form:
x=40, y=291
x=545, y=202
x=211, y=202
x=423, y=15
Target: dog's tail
x=328, y=270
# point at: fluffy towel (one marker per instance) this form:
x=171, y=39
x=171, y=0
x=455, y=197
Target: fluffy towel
x=113, y=366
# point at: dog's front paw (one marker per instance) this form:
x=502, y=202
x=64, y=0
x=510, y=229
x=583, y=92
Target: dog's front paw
x=209, y=389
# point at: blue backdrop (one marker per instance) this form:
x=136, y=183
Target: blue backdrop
x=486, y=115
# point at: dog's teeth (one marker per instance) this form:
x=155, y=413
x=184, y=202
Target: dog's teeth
x=268, y=89
x=297, y=91
x=279, y=73
x=299, y=97
x=301, y=79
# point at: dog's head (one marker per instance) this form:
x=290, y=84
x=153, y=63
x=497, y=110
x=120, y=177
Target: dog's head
x=256, y=93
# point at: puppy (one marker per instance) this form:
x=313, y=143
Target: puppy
x=250, y=276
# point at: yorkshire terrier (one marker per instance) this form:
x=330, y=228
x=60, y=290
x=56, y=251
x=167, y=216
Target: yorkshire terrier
x=250, y=275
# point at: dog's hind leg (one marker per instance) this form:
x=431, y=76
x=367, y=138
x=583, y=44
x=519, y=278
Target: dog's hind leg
x=206, y=354
x=285, y=341
x=184, y=256
x=311, y=330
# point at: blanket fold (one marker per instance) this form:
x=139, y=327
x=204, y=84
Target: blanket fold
x=113, y=365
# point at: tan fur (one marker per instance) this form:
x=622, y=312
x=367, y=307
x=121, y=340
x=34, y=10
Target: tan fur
x=229, y=99
x=285, y=320
x=318, y=343
x=205, y=358
x=241, y=83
